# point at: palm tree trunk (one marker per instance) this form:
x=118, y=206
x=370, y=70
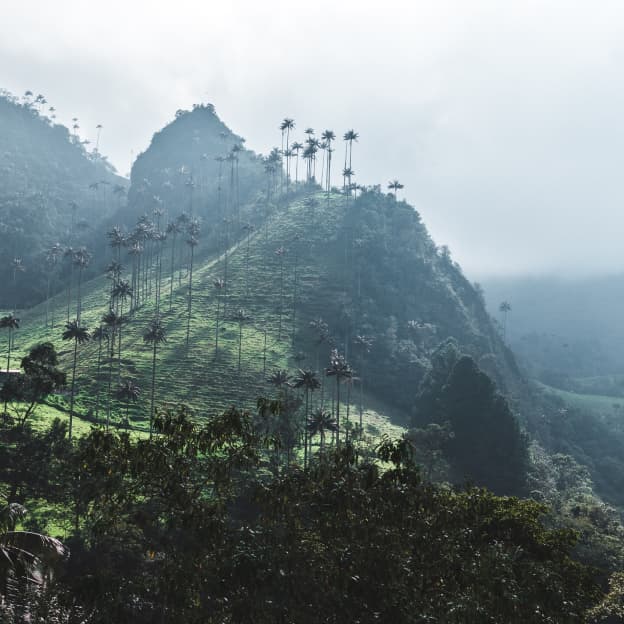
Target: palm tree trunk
x=190, y=297
x=337, y=409
x=119, y=345
x=305, y=429
x=71, y=400
x=172, y=272
x=153, y=387
x=217, y=329
x=97, y=395
x=240, y=344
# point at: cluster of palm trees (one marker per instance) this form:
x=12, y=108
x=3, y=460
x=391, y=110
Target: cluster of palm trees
x=317, y=421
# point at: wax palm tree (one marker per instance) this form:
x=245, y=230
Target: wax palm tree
x=505, y=309
x=73, y=331
x=173, y=229
x=363, y=344
x=112, y=321
x=280, y=252
x=11, y=323
x=68, y=254
x=81, y=260
x=128, y=392
x=349, y=137
x=240, y=317
x=287, y=125
x=279, y=379
x=328, y=136
x=154, y=336
x=307, y=380
x=296, y=148
x=192, y=242
x=116, y=240
x=219, y=285
x=320, y=422
x=53, y=255
x=248, y=228
x=17, y=266
x=100, y=334
x=395, y=186
x=121, y=292
x=341, y=370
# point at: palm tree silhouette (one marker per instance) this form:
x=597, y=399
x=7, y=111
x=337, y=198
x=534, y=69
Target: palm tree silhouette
x=128, y=392
x=53, y=254
x=73, y=331
x=112, y=321
x=154, y=336
x=280, y=252
x=17, y=266
x=173, y=228
x=319, y=423
x=121, y=292
x=395, y=186
x=505, y=308
x=307, y=380
x=219, y=284
x=240, y=316
x=364, y=345
x=328, y=136
x=11, y=323
x=81, y=259
x=100, y=334
x=279, y=379
x=296, y=148
x=341, y=370
x=192, y=242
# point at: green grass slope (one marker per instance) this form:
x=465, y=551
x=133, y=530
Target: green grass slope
x=206, y=379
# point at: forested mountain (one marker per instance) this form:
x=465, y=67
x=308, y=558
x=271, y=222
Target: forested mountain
x=52, y=190
x=256, y=338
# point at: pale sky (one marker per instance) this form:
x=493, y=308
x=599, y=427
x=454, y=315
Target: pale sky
x=504, y=119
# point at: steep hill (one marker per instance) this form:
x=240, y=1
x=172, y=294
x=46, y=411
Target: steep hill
x=338, y=259
x=51, y=191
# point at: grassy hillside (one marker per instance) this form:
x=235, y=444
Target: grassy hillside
x=196, y=374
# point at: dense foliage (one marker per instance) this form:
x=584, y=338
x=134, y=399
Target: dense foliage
x=184, y=528
x=52, y=190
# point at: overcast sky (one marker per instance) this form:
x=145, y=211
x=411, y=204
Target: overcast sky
x=504, y=119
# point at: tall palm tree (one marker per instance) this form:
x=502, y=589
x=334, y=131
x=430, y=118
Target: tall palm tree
x=364, y=345
x=154, y=336
x=192, y=242
x=17, y=266
x=341, y=370
x=11, y=323
x=68, y=254
x=100, y=334
x=81, y=260
x=121, y=292
x=287, y=125
x=307, y=380
x=505, y=309
x=240, y=317
x=53, y=255
x=128, y=392
x=73, y=331
x=112, y=321
x=395, y=186
x=173, y=229
x=279, y=379
x=296, y=148
x=280, y=252
x=328, y=136
x=319, y=423
x=219, y=284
